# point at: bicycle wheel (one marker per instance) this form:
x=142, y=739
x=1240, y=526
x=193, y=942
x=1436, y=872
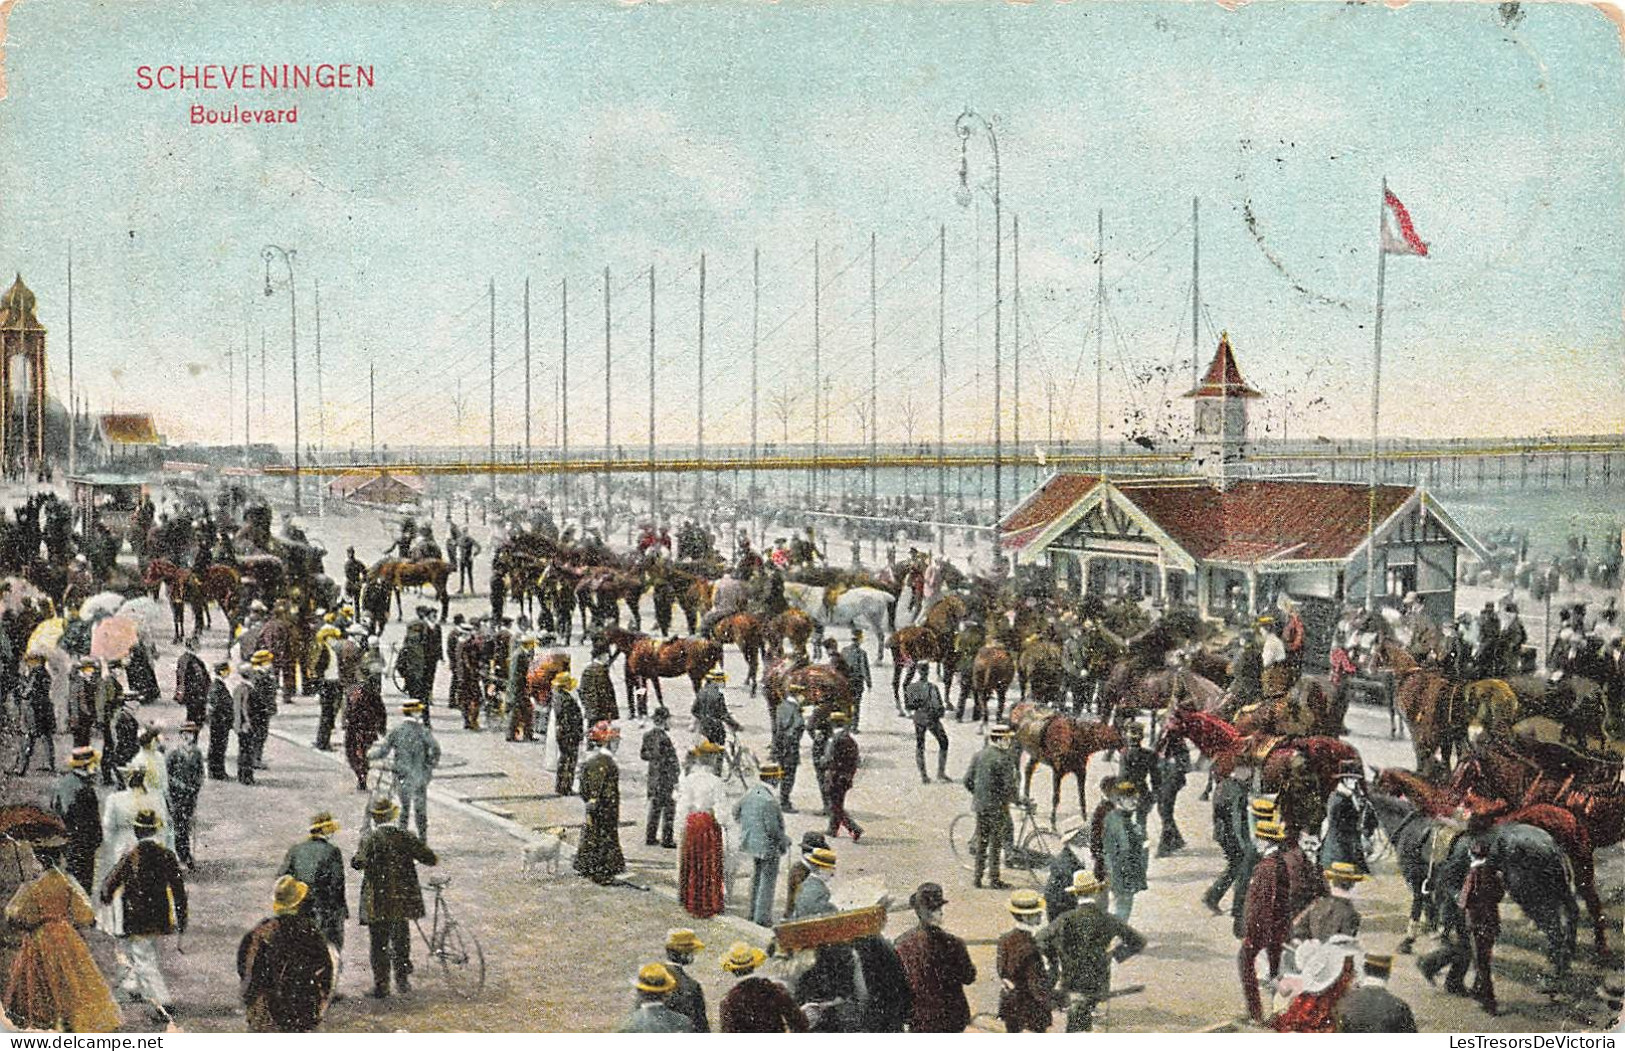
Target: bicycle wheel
x=461, y=959
x=1039, y=847
x=961, y=832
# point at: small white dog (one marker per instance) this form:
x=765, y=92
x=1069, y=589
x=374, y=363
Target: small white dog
x=543, y=852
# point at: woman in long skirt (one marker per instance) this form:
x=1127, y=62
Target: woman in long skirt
x=701, y=804
x=53, y=981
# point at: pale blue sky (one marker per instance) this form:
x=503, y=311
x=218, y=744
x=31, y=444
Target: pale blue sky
x=551, y=140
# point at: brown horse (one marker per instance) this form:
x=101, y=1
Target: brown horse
x=184, y=590
x=792, y=624
x=1435, y=708
x=1224, y=744
x=538, y=691
x=745, y=631
x=648, y=660
x=1569, y=832
x=1062, y=743
x=827, y=689
x=1526, y=773
x=602, y=589
x=1039, y=666
x=695, y=601
x=221, y=585
x=399, y=574
x=912, y=651
x=992, y=672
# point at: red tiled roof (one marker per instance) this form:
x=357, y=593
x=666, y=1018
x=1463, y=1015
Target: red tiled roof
x=1223, y=379
x=1020, y=539
x=1256, y=520
x=129, y=428
x=1045, y=504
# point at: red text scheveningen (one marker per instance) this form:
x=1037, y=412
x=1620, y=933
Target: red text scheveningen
x=286, y=76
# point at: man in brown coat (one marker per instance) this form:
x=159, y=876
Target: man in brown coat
x=390, y=895
x=938, y=967
x=1267, y=919
x=1024, y=1002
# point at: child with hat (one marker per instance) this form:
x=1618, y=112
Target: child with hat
x=813, y=897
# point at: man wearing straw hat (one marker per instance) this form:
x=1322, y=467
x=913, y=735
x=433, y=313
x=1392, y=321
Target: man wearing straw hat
x=756, y=1004
x=390, y=895
x=567, y=729
x=258, y=705
x=1333, y=912
x=1082, y=941
x=1267, y=918
x=763, y=839
x=154, y=905
x=416, y=754
x=74, y=800
x=1024, y=1002
x=1123, y=845
x=319, y=865
x=286, y=969
x=688, y=998
x=812, y=897
x=655, y=985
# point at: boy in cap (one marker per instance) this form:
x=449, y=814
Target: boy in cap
x=1024, y=1003
x=655, y=985
x=1082, y=941
x=688, y=998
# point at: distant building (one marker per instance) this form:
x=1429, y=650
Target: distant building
x=1229, y=544
x=126, y=441
x=377, y=487
x=22, y=426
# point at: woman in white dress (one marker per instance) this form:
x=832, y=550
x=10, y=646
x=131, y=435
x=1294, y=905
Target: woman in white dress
x=118, y=836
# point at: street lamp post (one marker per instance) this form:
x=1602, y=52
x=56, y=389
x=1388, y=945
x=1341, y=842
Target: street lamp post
x=270, y=252
x=964, y=126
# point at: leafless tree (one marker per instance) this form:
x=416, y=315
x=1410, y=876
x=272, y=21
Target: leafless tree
x=782, y=403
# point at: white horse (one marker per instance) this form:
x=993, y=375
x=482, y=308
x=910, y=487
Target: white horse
x=866, y=608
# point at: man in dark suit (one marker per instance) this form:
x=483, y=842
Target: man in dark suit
x=1370, y=1007
x=1081, y=941
x=390, y=895
x=938, y=966
x=192, y=683
x=1024, y=1004
x=858, y=676
x=568, y=730
x=154, y=905
x=925, y=705
x=184, y=766
x=222, y=720
x=688, y=998
x=319, y=865
x=664, y=771
x=1230, y=832
x=841, y=771
x=993, y=785
x=788, y=727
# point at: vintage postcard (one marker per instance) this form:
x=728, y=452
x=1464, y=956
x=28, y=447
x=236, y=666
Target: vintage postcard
x=839, y=516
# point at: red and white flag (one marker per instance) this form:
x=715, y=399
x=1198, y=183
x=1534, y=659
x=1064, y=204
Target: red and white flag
x=1407, y=243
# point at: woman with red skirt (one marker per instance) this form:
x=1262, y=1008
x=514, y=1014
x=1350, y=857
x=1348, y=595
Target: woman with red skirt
x=701, y=805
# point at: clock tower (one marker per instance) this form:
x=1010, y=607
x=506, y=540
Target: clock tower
x=1220, y=436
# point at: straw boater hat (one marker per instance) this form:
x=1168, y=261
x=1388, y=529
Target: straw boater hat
x=1001, y=730
x=287, y=896
x=383, y=809
x=83, y=757
x=654, y=978
x=839, y=718
x=706, y=749
x=1026, y=903
x=328, y=633
x=1085, y=883
x=261, y=658
x=1264, y=808
x=564, y=681
x=683, y=940
x=147, y=821
x=1270, y=830
x=323, y=824
x=1126, y=788
x=821, y=858
x=411, y=707
x=741, y=957
x=1379, y=964
x=1344, y=872
x=716, y=675
x=87, y=665
x=797, y=688
x=770, y=772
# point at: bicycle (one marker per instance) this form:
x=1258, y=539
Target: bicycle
x=462, y=961
x=739, y=762
x=1031, y=846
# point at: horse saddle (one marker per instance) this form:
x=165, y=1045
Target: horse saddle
x=670, y=648
x=1262, y=745
x=832, y=595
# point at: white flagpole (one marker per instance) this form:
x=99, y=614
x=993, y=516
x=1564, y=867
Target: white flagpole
x=1376, y=392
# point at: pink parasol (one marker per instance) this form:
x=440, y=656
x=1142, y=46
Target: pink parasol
x=113, y=638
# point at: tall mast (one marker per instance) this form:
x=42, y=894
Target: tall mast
x=1376, y=398
x=564, y=387
x=321, y=409
x=492, y=394
x=1100, y=341
x=529, y=480
x=654, y=501
x=1015, y=335
x=942, y=385
x=609, y=447
x=699, y=399
x=1196, y=289
x=874, y=382
x=73, y=414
